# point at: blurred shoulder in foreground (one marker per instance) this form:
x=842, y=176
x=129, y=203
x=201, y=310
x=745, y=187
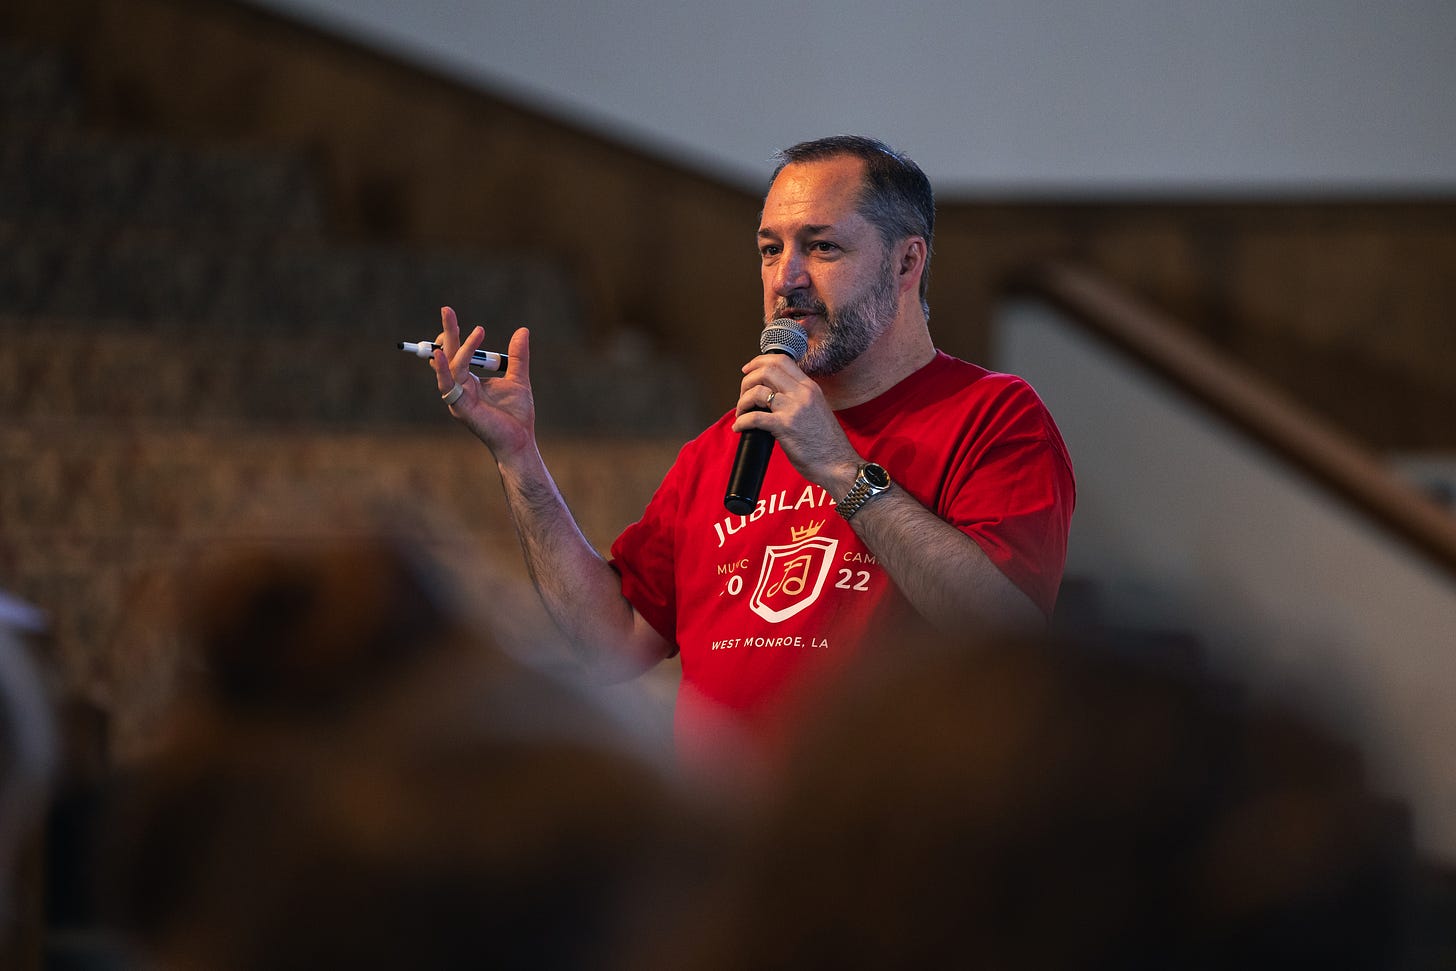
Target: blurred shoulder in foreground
x=1038, y=805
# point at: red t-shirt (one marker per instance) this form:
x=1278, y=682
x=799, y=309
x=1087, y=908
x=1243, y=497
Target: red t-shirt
x=758, y=604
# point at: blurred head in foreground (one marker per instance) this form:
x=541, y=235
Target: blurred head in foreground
x=359, y=780
x=1028, y=806
x=28, y=754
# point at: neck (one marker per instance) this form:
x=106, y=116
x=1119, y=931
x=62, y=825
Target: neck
x=902, y=350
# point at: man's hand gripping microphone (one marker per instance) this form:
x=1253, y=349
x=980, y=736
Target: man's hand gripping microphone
x=782, y=336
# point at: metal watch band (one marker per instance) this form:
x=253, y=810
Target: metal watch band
x=863, y=491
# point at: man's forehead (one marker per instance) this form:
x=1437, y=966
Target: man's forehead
x=814, y=195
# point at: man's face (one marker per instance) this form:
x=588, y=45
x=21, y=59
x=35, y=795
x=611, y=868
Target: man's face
x=823, y=264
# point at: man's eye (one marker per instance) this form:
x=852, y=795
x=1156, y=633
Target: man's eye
x=768, y=250
x=823, y=246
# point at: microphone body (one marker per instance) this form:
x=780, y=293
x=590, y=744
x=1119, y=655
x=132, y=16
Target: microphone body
x=782, y=336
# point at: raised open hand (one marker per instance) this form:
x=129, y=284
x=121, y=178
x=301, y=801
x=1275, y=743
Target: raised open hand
x=500, y=411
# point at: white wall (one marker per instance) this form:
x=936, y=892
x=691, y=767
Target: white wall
x=1182, y=522
x=1027, y=96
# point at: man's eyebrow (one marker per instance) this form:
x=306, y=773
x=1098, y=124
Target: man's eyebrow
x=813, y=229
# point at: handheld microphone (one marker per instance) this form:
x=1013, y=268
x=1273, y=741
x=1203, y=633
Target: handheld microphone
x=783, y=336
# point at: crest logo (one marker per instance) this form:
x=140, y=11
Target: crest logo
x=797, y=533
x=792, y=575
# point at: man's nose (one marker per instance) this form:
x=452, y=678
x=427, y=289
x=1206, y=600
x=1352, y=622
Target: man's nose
x=792, y=274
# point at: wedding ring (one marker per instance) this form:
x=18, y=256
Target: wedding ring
x=769, y=403
x=453, y=395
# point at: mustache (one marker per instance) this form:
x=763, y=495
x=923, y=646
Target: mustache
x=785, y=305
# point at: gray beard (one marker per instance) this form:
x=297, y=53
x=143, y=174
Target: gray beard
x=848, y=331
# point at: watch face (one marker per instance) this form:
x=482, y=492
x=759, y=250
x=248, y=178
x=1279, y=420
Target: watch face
x=876, y=476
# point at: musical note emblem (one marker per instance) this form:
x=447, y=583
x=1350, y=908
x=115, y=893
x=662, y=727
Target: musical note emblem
x=792, y=575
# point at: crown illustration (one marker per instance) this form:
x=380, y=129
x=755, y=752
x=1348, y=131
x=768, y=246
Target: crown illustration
x=804, y=532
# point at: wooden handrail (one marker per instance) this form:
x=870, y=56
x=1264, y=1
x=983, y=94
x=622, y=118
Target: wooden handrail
x=1331, y=458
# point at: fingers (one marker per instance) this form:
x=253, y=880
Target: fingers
x=449, y=332
x=440, y=364
x=449, y=341
x=451, y=360
x=774, y=371
x=759, y=397
x=773, y=383
x=452, y=369
x=460, y=360
x=763, y=407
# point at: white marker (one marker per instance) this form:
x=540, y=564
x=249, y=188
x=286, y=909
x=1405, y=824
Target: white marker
x=489, y=360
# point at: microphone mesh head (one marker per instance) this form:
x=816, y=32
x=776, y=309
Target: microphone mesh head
x=785, y=336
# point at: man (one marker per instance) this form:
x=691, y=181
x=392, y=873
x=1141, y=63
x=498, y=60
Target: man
x=906, y=485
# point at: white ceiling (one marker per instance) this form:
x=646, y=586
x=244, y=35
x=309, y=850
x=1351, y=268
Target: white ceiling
x=1029, y=97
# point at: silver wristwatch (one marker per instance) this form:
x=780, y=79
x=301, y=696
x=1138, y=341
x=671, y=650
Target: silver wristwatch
x=871, y=480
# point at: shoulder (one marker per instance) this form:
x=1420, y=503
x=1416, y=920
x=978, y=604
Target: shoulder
x=709, y=442
x=999, y=407
x=951, y=377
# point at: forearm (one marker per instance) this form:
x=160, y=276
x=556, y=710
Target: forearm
x=580, y=591
x=944, y=574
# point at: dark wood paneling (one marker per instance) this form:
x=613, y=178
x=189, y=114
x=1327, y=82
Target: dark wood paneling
x=1347, y=304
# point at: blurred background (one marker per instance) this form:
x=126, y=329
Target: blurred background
x=1219, y=238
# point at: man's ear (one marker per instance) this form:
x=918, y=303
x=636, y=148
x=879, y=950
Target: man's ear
x=912, y=256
